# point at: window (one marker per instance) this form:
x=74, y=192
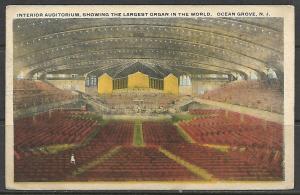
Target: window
x=185, y=80
x=87, y=81
x=156, y=83
x=253, y=76
x=120, y=83
x=91, y=81
x=271, y=74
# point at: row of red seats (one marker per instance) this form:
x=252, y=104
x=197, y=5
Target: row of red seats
x=57, y=167
x=54, y=129
x=230, y=129
x=117, y=132
x=269, y=158
x=138, y=164
x=224, y=165
x=155, y=133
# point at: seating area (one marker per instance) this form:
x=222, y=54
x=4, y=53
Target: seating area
x=138, y=164
x=28, y=93
x=234, y=129
x=51, y=128
x=116, y=132
x=254, y=148
x=251, y=140
x=258, y=94
x=156, y=133
x=269, y=158
x=56, y=167
x=223, y=165
x=43, y=168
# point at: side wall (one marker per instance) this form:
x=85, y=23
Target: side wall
x=185, y=90
x=93, y=90
x=78, y=85
x=200, y=86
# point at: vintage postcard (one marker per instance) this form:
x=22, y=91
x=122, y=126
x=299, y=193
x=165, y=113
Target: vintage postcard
x=149, y=97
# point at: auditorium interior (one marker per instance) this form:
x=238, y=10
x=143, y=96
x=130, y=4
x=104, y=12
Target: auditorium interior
x=152, y=99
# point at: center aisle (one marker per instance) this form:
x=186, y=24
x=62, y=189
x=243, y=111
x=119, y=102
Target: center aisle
x=138, y=140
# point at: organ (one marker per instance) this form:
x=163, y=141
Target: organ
x=138, y=80
x=105, y=85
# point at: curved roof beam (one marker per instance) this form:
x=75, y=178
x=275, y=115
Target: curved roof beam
x=148, y=42
x=180, y=30
x=132, y=51
x=170, y=61
x=260, y=22
x=225, y=47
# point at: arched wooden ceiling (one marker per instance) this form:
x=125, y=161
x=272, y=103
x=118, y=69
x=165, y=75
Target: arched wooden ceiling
x=225, y=45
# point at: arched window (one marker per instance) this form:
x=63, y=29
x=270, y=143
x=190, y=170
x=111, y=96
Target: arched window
x=87, y=81
x=185, y=80
x=271, y=74
x=239, y=77
x=180, y=80
x=93, y=80
x=253, y=76
x=189, y=81
x=35, y=76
